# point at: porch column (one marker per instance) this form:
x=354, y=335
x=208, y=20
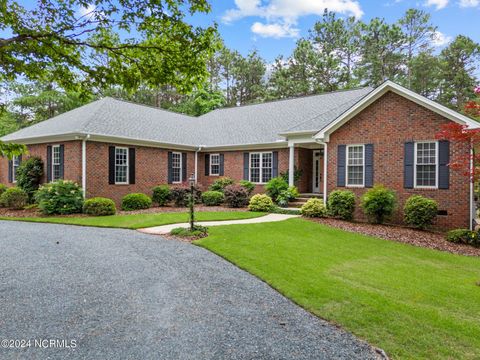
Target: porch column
x=291, y=165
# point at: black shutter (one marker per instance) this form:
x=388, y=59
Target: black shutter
x=341, y=159
x=10, y=171
x=62, y=152
x=222, y=166
x=111, y=165
x=275, y=164
x=368, y=165
x=443, y=161
x=184, y=167
x=170, y=172
x=408, y=164
x=49, y=163
x=246, y=165
x=207, y=164
x=131, y=165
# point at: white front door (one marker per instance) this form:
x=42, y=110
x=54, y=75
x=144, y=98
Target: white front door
x=317, y=171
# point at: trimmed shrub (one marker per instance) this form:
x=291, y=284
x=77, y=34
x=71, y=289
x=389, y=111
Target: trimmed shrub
x=29, y=176
x=464, y=236
x=136, y=201
x=212, y=198
x=275, y=186
x=60, y=197
x=314, y=208
x=248, y=185
x=180, y=194
x=261, y=202
x=236, y=196
x=220, y=184
x=99, y=206
x=161, y=195
x=420, y=212
x=286, y=196
x=198, y=231
x=14, y=198
x=3, y=188
x=378, y=203
x=341, y=204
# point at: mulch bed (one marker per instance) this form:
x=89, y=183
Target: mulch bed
x=431, y=240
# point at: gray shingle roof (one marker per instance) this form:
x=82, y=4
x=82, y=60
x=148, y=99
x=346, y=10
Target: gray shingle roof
x=250, y=124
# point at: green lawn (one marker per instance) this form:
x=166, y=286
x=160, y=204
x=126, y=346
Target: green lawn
x=415, y=303
x=138, y=221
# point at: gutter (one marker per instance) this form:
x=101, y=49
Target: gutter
x=84, y=165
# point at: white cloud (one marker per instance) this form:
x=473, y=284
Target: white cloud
x=85, y=11
x=440, y=39
x=469, y=3
x=274, y=30
x=282, y=15
x=439, y=4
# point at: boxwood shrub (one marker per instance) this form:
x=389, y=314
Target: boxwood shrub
x=3, y=188
x=161, y=195
x=378, y=203
x=341, y=204
x=420, y=212
x=14, y=198
x=261, y=202
x=99, y=206
x=60, y=197
x=136, y=201
x=212, y=198
x=314, y=208
x=464, y=236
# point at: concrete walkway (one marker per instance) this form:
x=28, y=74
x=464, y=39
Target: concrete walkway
x=165, y=229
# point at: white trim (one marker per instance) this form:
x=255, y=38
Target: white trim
x=181, y=167
x=84, y=166
x=210, y=173
x=400, y=90
x=56, y=146
x=291, y=164
x=346, y=166
x=325, y=172
x=316, y=177
x=128, y=166
x=437, y=162
x=14, y=168
x=260, y=167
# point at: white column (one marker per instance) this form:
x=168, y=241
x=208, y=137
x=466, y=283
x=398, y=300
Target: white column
x=84, y=167
x=325, y=172
x=291, y=165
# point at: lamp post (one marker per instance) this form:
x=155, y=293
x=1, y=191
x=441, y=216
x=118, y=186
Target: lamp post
x=191, y=181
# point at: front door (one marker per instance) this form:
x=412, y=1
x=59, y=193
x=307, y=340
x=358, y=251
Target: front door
x=317, y=181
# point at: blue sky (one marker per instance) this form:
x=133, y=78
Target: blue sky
x=273, y=26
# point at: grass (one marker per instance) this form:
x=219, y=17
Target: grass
x=137, y=221
x=414, y=303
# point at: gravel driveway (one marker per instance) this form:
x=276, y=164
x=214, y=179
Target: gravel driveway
x=119, y=294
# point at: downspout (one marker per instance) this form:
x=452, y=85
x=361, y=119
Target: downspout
x=84, y=165
x=196, y=162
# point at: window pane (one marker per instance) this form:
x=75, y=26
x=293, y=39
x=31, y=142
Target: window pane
x=426, y=164
x=214, y=164
x=176, y=167
x=355, y=165
x=426, y=175
x=266, y=167
x=255, y=175
x=355, y=175
x=255, y=160
x=355, y=155
x=121, y=165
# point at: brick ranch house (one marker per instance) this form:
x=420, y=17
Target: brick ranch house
x=347, y=139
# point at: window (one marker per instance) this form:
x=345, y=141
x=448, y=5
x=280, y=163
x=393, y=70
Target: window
x=56, y=162
x=121, y=165
x=261, y=167
x=15, y=165
x=355, y=165
x=215, y=164
x=176, y=167
x=426, y=164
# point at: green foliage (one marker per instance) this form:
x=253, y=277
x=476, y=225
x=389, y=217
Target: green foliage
x=341, y=204
x=60, y=197
x=136, y=201
x=420, y=212
x=378, y=203
x=212, y=198
x=161, y=195
x=200, y=102
x=464, y=236
x=181, y=194
x=286, y=196
x=297, y=174
x=8, y=122
x=275, y=186
x=236, y=196
x=248, y=185
x=314, y=208
x=3, y=188
x=221, y=183
x=14, y=198
x=261, y=203
x=99, y=206
x=197, y=232
x=29, y=176
x=10, y=150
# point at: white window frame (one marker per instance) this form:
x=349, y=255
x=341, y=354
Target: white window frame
x=54, y=163
x=363, y=166
x=15, y=159
x=260, y=167
x=415, y=186
x=127, y=179
x=181, y=167
x=211, y=164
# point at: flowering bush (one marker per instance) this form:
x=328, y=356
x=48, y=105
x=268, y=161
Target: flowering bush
x=60, y=197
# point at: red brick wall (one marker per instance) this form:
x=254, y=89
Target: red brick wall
x=388, y=124
x=72, y=162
